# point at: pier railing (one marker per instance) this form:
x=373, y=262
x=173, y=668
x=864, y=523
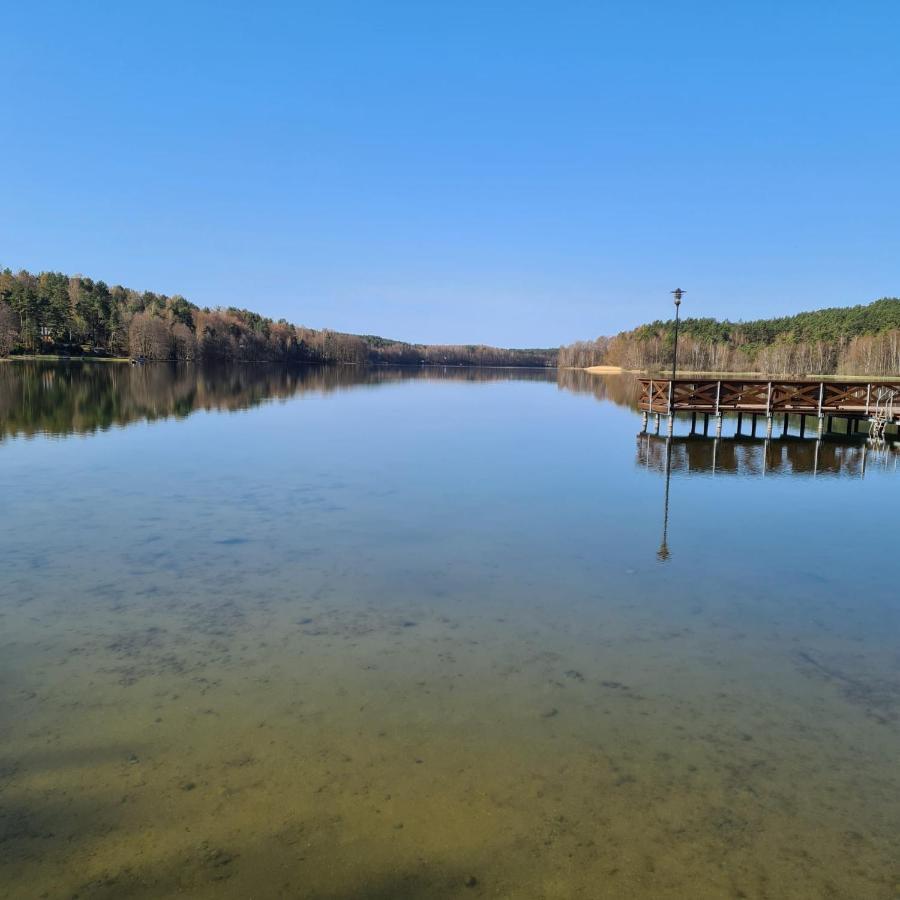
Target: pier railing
x=768, y=397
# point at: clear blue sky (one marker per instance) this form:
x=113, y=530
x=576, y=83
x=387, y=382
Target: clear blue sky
x=511, y=172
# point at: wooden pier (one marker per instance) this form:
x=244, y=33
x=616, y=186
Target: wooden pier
x=875, y=402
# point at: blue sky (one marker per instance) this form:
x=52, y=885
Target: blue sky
x=512, y=173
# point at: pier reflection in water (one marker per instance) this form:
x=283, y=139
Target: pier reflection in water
x=778, y=456
x=748, y=457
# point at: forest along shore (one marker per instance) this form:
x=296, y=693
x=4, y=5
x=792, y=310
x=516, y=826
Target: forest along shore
x=54, y=314
x=727, y=376
x=851, y=340
x=72, y=316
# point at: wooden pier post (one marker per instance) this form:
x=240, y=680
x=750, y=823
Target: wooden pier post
x=705, y=424
x=740, y=421
x=821, y=426
x=787, y=424
x=768, y=426
x=802, y=425
x=671, y=425
x=657, y=424
x=753, y=419
x=694, y=422
x=820, y=414
x=718, y=411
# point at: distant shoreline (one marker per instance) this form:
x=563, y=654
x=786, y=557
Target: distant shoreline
x=53, y=357
x=710, y=376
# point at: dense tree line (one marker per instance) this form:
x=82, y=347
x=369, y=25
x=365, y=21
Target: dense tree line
x=857, y=340
x=583, y=354
x=69, y=314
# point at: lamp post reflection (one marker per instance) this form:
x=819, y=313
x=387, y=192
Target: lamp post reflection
x=663, y=553
x=743, y=458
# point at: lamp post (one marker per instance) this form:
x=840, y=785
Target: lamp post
x=678, y=293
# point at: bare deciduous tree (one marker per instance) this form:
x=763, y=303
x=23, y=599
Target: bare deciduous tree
x=9, y=329
x=149, y=337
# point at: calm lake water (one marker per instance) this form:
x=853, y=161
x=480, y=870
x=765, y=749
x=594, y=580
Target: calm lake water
x=402, y=634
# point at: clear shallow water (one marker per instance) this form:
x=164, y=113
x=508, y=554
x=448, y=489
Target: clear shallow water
x=337, y=634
